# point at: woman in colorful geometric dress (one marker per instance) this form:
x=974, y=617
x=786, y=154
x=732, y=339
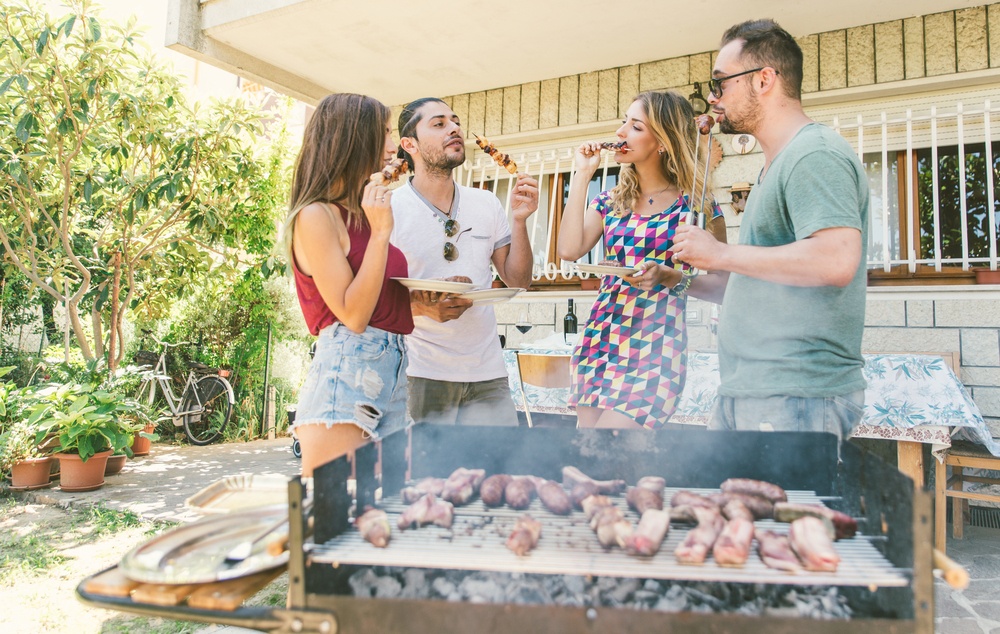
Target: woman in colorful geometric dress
x=629, y=367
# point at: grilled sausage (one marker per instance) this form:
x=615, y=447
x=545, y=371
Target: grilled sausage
x=554, y=498
x=492, y=488
x=844, y=525
x=519, y=492
x=761, y=507
x=582, y=491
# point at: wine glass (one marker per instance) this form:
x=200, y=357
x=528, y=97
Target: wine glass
x=523, y=324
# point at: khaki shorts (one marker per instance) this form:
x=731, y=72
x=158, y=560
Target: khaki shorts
x=451, y=403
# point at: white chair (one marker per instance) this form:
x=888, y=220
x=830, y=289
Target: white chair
x=542, y=370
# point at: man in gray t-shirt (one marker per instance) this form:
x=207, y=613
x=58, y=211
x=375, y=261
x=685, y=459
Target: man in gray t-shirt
x=794, y=306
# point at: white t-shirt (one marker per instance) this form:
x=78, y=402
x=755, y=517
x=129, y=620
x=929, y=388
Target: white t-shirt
x=466, y=349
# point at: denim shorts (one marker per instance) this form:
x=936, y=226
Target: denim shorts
x=357, y=379
x=838, y=415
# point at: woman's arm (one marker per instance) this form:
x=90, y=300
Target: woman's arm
x=580, y=228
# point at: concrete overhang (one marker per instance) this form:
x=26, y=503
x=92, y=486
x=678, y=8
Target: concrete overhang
x=399, y=50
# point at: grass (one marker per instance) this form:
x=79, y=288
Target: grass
x=30, y=554
x=101, y=520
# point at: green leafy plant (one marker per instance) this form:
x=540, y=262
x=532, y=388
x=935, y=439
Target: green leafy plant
x=18, y=444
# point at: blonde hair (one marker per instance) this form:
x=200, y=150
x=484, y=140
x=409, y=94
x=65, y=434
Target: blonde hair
x=343, y=144
x=671, y=120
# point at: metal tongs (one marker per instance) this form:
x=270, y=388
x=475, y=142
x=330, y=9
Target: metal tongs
x=702, y=122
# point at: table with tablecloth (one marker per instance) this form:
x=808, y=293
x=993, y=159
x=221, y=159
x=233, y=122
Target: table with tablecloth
x=910, y=398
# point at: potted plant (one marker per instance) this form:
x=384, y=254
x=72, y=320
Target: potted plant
x=21, y=455
x=90, y=423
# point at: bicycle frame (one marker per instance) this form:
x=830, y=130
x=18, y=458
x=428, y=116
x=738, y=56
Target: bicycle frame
x=161, y=377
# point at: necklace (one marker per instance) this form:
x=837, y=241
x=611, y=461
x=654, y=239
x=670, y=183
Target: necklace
x=658, y=193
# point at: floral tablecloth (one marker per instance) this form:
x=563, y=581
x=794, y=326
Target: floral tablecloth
x=910, y=397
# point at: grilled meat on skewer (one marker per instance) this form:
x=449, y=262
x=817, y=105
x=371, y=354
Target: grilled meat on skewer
x=427, y=510
x=554, y=497
x=649, y=534
x=503, y=160
x=776, y=552
x=462, y=485
x=525, y=535
x=413, y=493
x=620, y=146
x=396, y=168
x=573, y=476
x=374, y=527
x=844, y=525
x=704, y=122
x=700, y=539
x=810, y=541
x=733, y=544
x=519, y=493
x=761, y=507
x=754, y=487
x=641, y=500
x=491, y=490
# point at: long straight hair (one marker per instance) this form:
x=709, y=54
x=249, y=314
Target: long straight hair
x=343, y=145
x=671, y=120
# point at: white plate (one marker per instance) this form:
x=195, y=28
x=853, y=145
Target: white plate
x=437, y=286
x=603, y=269
x=491, y=295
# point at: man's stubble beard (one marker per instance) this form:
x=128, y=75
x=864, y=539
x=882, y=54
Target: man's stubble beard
x=746, y=122
x=440, y=164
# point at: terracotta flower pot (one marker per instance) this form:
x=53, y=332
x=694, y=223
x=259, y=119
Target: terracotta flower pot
x=590, y=284
x=77, y=475
x=985, y=275
x=115, y=464
x=32, y=473
x=140, y=445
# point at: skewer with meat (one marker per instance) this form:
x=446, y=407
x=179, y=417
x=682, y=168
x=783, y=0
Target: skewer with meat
x=374, y=527
x=733, y=544
x=503, y=160
x=525, y=535
x=772, y=492
x=462, y=485
x=700, y=539
x=649, y=534
x=390, y=173
x=640, y=500
x=621, y=146
x=704, y=123
x=810, y=541
x=761, y=507
x=416, y=491
x=492, y=488
x=573, y=476
x=427, y=510
x=776, y=552
x=519, y=492
x=844, y=525
x=554, y=497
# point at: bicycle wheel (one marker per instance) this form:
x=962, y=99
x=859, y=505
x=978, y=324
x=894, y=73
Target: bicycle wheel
x=211, y=410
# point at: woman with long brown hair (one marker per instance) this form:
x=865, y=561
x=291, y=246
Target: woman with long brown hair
x=337, y=238
x=629, y=367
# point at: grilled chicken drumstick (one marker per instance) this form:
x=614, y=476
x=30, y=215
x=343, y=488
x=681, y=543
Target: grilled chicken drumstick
x=573, y=476
x=374, y=527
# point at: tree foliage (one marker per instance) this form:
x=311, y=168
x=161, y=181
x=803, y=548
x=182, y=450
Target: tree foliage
x=115, y=192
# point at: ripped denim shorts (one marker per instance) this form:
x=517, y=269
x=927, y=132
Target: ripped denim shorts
x=356, y=379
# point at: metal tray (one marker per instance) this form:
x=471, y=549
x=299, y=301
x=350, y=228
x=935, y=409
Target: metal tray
x=239, y=492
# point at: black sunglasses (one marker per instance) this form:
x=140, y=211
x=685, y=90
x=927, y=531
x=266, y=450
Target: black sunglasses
x=450, y=229
x=715, y=84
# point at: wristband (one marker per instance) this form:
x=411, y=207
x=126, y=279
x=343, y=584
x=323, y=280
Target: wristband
x=681, y=288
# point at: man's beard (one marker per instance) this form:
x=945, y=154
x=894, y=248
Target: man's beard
x=441, y=163
x=746, y=122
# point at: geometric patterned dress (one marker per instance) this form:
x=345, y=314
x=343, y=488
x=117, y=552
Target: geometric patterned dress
x=632, y=354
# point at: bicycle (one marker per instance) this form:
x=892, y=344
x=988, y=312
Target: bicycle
x=201, y=409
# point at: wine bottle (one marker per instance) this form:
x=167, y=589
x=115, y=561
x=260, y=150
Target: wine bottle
x=569, y=323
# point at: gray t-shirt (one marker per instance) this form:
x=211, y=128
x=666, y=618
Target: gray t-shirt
x=778, y=340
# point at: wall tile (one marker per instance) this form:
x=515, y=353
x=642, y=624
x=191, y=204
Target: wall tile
x=832, y=60
x=980, y=346
x=889, y=52
x=569, y=99
x=530, y=106
x=913, y=47
x=993, y=23
x=587, y=112
x=980, y=376
x=548, y=116
x=972, y=39
x=988, y=401
x=394, y=118
x=968, y=313
x=861, y=56
x=885, y=313
x=665, y=73
x=700, y=69
x=628, y=87
x=939, y=43
x=494, y=113
x=477, y=114
x=810, y=62
x=511, y=109
x=920, y=313
x=460, y=104
x=607, y=95
x=910, y=340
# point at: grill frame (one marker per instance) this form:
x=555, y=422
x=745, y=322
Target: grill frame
x=862, y=485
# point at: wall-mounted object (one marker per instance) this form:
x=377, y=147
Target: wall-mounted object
x=743, y=143
x=698, y=102
x=739, y=192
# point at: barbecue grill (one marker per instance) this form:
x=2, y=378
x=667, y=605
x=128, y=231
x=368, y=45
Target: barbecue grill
x=885, y=572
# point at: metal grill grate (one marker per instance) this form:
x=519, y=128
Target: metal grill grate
x=477, y=538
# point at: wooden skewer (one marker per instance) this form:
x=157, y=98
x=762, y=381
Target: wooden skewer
x=954, y=574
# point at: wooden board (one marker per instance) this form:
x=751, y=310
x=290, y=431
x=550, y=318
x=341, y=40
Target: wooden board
x=162, y=594
x=229, y=595
x=111, y=583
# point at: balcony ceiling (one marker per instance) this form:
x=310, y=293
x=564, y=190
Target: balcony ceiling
x=397, y=51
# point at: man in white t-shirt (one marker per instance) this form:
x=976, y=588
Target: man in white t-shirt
x=456, y=370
